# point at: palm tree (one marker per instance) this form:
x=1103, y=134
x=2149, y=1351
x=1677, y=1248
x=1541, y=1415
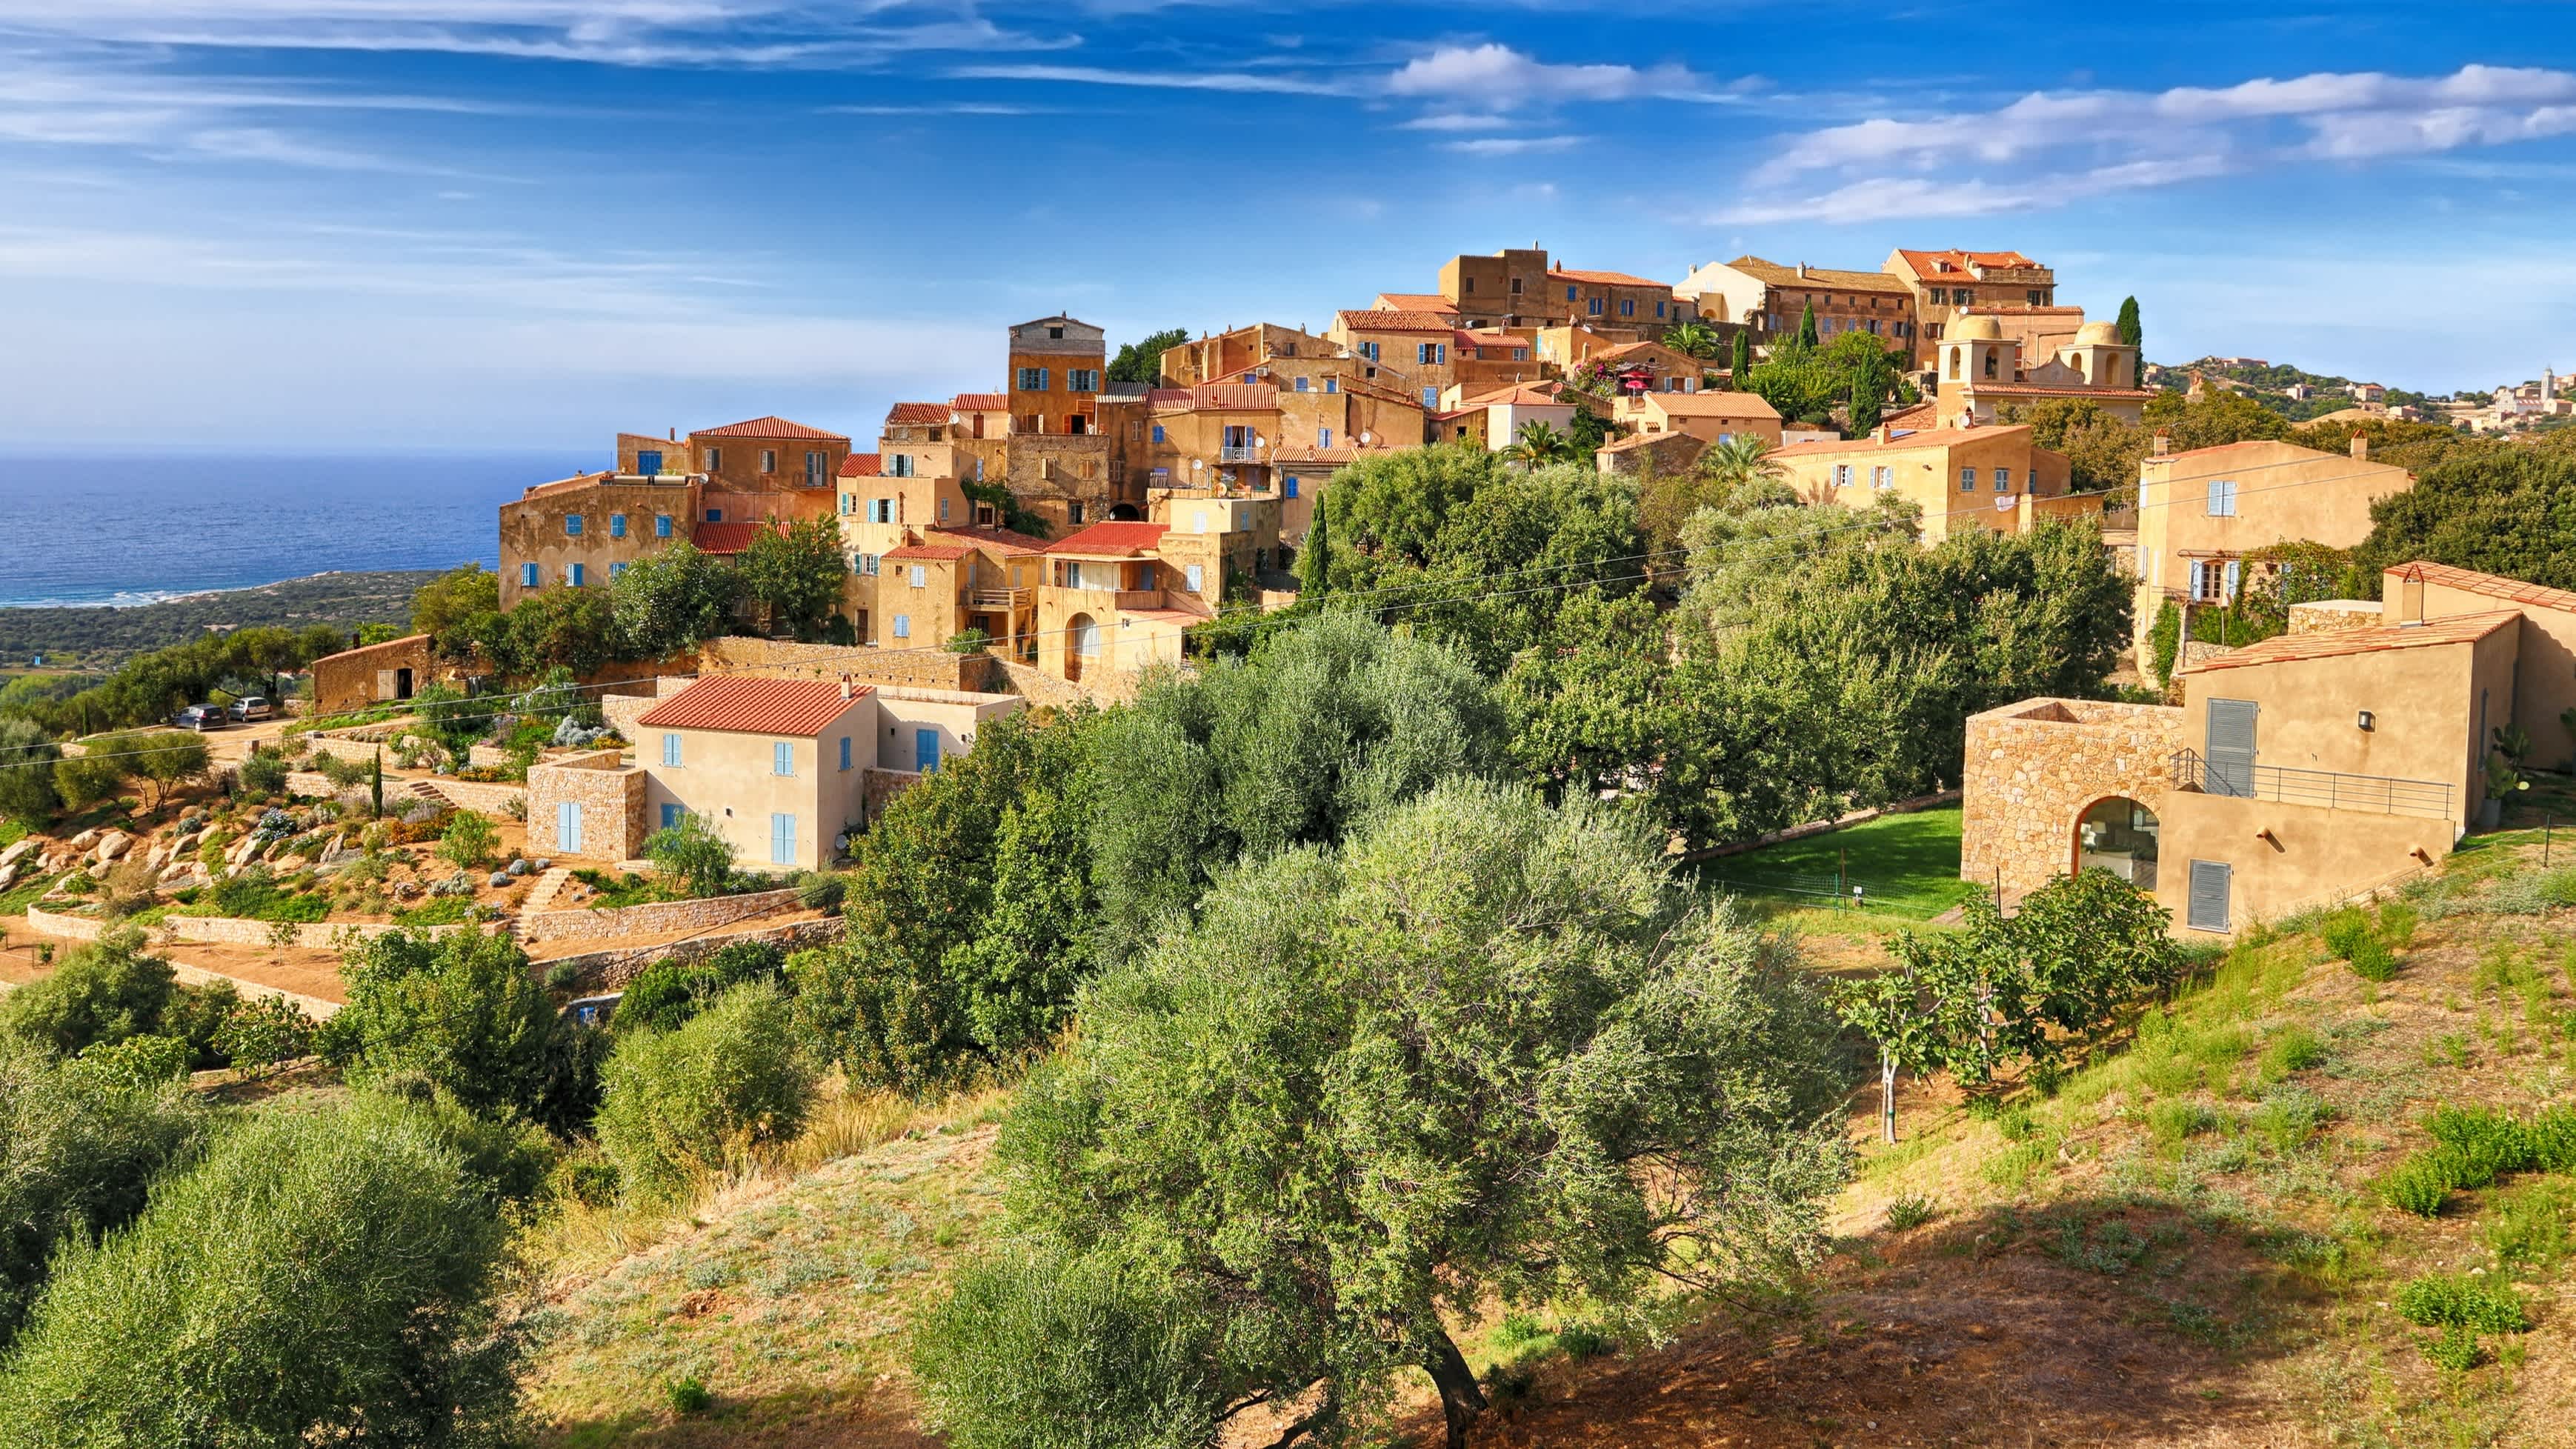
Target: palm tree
x=1739, y=465
x=1698, y=339
x=1538, y=443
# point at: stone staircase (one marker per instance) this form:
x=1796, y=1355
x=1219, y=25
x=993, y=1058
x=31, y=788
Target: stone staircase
x=542, y=892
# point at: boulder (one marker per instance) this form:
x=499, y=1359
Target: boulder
x=8, y=874
x=516, y=868
x=111, y=845
x=83, y=841
x=161, y=854
x=18, y=852
x=500, y=880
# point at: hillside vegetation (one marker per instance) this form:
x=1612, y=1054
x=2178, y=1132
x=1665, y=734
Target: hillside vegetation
x=99, y=637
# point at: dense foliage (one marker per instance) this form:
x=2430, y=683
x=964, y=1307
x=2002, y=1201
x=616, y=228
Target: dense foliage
x=464, y=1013
x=1142, y=360
x=678, y=1105
x=2507, y=510
x=151, y=687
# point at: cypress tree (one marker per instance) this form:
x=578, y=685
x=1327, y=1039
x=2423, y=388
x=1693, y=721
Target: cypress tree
x=1864, y=404
x=1743, y=356
x=376, y=787
x=1315, y=560
x=1807, y=326
x=2128, y=325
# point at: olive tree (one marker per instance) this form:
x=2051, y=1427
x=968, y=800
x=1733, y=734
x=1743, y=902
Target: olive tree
x=1488, y=1053
x=675, y=1105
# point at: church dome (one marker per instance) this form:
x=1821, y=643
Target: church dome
x=2097, y=334
x=1976, y=329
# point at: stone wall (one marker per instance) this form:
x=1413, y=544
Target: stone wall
x=611, y=796
x=779, y=659
x=611, y=969
x=657, y=918
x=2326, y=616
x=482, y=797
x=623, y=710
x=339, y=747
x=395, y=669
x=879, y=787
x=229, y=930
x=2034, y=767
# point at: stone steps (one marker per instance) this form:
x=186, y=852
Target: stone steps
x=548, y=885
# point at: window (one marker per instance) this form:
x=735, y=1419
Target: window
x=2222, y=498
x=1967, y=480
x=616, y=571
x=1659, y=309
x=617, y=525
x=1323, y=439
x=1033, y=379
x=814, y=470
x=1369, y=351
x=1569, y=292
x=1332, y=384
x=2206, y=906
x=1158, y=432
x=849, y=503
x=670, y=749
x=568, y=826
x=782, y=757
x=670, y=816
x=1082, y=379
x=1301, y=384
x=572, y=525
x=715, y=515
x=880, y=510
x=1056, y=332
x=715, y=459
x=1520, y=354
x=1954, y=363
x=943, y=510
x=2003, y=480
x=1073, y=513
x=1882, y=477
x=769, y=460
x=1196, y=578
x=527, y=576
x=845, y=752
x=920, y=576
x=576, y=575
x=867, y=564
x=1429, y=353
x=1627, y=307
x=1842, y=475
x=1595, y=308
x=1288, y=485
x=1431, y=399
x=898, y=465
x=903, y=626
x=1516, y=286
x=782, y=840
x=1993, y=356
x=649, y=462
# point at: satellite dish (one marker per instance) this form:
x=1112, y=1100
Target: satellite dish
x=1364, y=440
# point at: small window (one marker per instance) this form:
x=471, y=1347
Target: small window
x=849, y=504
x=715, y=515
x=576, y=575
x=2222, y=498
x=1967, y=480
x=1145, y=576
x=1033, y=379
x=920, y=576
x=1332, y=384
x=845, y=752
x=527, y=576
x=1430, y=398
x=670, y=816
x=1369, y=351
x=670, y=749
x=649, y=462
x=617, y=525
x=715, y=459
x=616, y=571
x=1301, y=384
x=1520, y=354
x=769, y=460
x=1659, y=309
x=943, y=510
x=661, y=525
x=1569, y=293
x=1196, y=577
x=1081, y=379
x=572, y=525
x=1158, y=432
x=1627, y=307
x=1323, y=439
x=782, y=840
x=782, y=758
x=1842, y=475
x=903, y=626
x=1289, y=485
x=2003, y=480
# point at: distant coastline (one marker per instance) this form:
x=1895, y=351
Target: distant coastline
x=98, y=635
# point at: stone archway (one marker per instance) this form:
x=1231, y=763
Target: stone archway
x=1126, y=513
x=2117, y=834
x=1081, y=643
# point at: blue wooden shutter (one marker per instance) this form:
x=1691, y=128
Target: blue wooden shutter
x=568, y=827
x=2207, y=908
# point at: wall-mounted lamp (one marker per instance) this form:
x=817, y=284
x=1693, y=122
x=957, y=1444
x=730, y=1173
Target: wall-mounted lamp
x=2365, y=719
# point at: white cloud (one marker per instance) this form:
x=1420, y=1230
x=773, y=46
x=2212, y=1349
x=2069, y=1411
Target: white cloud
x=1244, y=82
x=1455, y=121
x=2060, y=145
x=1497, y=75
x=1513, y=145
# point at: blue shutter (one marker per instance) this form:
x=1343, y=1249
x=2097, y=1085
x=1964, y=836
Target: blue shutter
x=782, y=758
x=845, y=752
x=671, y=750
x=1291, y=486
x=568, y=827
x=661, y=525
x=903, y=626
x=670, y=817
x=782, y=839
x=573, y=575
x=617, y=525
x=649, y=462
x=527, y=576
x=925, y=749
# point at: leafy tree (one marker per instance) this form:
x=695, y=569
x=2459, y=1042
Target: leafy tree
x=162, y=759
x=2509, y=511
x=1694, y=339
x=469, y=840
x=2217, y=418
x=1865, y=398
x=970, y=914
x=1142, y=360
x=572, y=629
x=27, y=793
x=2102, y=452
x=673, y=599
x=1589, y=704
x=264, y=1033
x=1315, y=560
x=1007, y=506
x=326, y=1275
x=449, y=607
x=105, y=991
x=82, y=1145
x=465, y=1014
x=1576, y=1083
x=2130, y=334
x=1388, y=509
x=693, y=853
x=92, y=775
x=1589, y=432
x=675, y=1105
x=1807, y=326
x=796, y=571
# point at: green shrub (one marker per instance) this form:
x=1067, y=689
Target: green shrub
x=2290, y=1116
x=464, y=1012
x=2345, y=930
x=2014, y=1167
x=2172, y=1121
x=2291, y=1049
x=1909, y=1211
x=2529, y=1228
x=325, y=1275
x=2551, y=1137
x=2483, y=1303
x=821, y=890
x=2482, y=1144
x=138, y=1063
x=2419, y=1185
x=1579, y=1342
x=469, y=841
x=678, y=1104
x=2396, y=924
x=263, y=773
x=688, y=1396
x=105, y=991
x=2455, y=1349
x=2372, y=960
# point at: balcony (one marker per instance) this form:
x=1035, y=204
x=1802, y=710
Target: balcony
x=1139, y=598
x=2369, y=794
x=1238, y=455
x=998, y=600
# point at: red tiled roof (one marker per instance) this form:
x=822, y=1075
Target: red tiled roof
x=996, y=540
x=754, y=706
x=2284, y=648
x=1773, y=274
x=862, y=465
x=917, y=412
x=1600, y=279
x=1415, y=302
x=1518, y=395
x=981, y=402
x=1709, y=404
x=1111, y=538
x=1486, y=343
x=936, y=552
x=769, y=427
x=1924, y=262
x=1217, y=396
x=728, y=538
x=1921, y=438
x=2492, y=585
x=1392, y=321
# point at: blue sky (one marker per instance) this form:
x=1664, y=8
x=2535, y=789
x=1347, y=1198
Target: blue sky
x=452, y=223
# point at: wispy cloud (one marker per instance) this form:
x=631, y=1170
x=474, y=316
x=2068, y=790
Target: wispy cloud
x=1498, y=76
x=1243, y=82
x=1513, y=145
x=1455, y=121
x=2048, y=148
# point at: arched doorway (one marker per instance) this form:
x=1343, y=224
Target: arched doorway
x=1082, y=644
x=1126, y=513
x=2118, y=835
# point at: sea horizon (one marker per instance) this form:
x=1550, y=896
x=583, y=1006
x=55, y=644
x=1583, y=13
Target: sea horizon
x=122, y=527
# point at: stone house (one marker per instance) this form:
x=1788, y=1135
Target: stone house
x=1943, y=283
x=1119, y=597
x=1772, y=299
x=1991, y=479
x=1711, y=417
x=581, y=532
x=377, y=673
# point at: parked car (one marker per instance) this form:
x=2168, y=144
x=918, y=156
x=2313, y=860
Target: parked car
x=251, y=707
x=201, y=717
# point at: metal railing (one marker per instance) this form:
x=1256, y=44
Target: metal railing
x=2371, y=794
x=1238, y=455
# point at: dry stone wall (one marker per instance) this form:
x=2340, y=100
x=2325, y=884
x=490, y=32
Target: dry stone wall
x=780, y=659
x=610, y=794
x=2034, y=767
x=658, y=918
x=611, y=969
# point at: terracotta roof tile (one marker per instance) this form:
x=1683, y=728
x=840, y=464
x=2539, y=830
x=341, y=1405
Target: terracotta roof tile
x=730, y=538
x=1773, y=274
x=1525, y=395
x=769, y=427
x=2335, y=643
x=1391, y=321
x=995, y=540
x=918, y=412
x=981, y=402
x=934, y=552
x=1709, y=404
x=862, y=465
x=2492, y=585
x=1905, y=438
x=754, y=706
x=1600, y=279
x=1415, y=302
x=1119, y=539
x=1924, y=263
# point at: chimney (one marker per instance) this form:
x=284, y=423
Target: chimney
x=1802, y=269
x=675, y=435
x=2360, y=446
x=2163, y=443
x=1887, y=432
x=845, y=686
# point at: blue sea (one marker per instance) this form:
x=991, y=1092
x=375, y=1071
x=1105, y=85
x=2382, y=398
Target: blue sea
x=130, y=528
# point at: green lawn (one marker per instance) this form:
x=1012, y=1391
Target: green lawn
x=1909, y=865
